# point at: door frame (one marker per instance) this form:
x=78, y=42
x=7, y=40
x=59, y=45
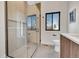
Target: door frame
x=6, y=30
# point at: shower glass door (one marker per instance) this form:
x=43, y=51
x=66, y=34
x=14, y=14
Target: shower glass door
x=23, y=34
x=17, y=41
x=32, y=40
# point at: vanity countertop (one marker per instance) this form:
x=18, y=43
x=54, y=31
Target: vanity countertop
x=72, y=37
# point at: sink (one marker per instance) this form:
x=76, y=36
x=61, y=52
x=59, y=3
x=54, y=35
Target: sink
x=75, y=35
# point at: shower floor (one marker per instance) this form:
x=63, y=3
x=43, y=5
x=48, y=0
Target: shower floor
x=24, y=51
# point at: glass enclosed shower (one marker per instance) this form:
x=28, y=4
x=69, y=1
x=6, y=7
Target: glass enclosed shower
x=23, y=33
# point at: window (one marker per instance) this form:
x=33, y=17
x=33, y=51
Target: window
x=52, y=21
x=31, y=22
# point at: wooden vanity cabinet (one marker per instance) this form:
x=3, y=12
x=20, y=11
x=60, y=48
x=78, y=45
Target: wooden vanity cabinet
x=74, y=50
x=64, y=47
x=68, y=48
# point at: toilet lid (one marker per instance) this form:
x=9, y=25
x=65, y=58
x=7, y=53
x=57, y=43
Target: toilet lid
x=56, y=42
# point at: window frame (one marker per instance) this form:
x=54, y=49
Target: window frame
x=52, y=21
x=32, y=21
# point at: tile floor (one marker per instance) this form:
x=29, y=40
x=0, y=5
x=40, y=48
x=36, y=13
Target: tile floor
x=45, y=52
x=41, y=52
x=31, y=49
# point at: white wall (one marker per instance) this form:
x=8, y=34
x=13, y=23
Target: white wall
x=74, y=27
x=2, y=29
x=46, y=36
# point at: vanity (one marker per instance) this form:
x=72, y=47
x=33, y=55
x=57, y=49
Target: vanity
x=69, y=45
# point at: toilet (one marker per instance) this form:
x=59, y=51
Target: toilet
x=56, y=44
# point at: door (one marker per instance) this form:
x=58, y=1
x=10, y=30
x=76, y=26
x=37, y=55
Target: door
x=17, y=41
x=32, y=34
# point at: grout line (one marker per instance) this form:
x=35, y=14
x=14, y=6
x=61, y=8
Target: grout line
x=34, y=52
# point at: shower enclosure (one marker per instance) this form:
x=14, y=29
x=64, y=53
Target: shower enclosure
x=23, y=36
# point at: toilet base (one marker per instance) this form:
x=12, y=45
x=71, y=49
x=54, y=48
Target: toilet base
x=57, y=48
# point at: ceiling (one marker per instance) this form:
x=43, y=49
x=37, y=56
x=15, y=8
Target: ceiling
x=32, y=2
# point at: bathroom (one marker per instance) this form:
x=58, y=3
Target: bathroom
x=30, y=34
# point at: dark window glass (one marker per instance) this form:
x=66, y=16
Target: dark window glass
x=49, y=21
x=31, y=22
x=53, y=21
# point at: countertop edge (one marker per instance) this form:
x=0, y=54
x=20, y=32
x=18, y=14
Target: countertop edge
x=70, y=37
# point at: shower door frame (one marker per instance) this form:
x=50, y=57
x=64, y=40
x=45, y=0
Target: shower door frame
x=6, y=30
